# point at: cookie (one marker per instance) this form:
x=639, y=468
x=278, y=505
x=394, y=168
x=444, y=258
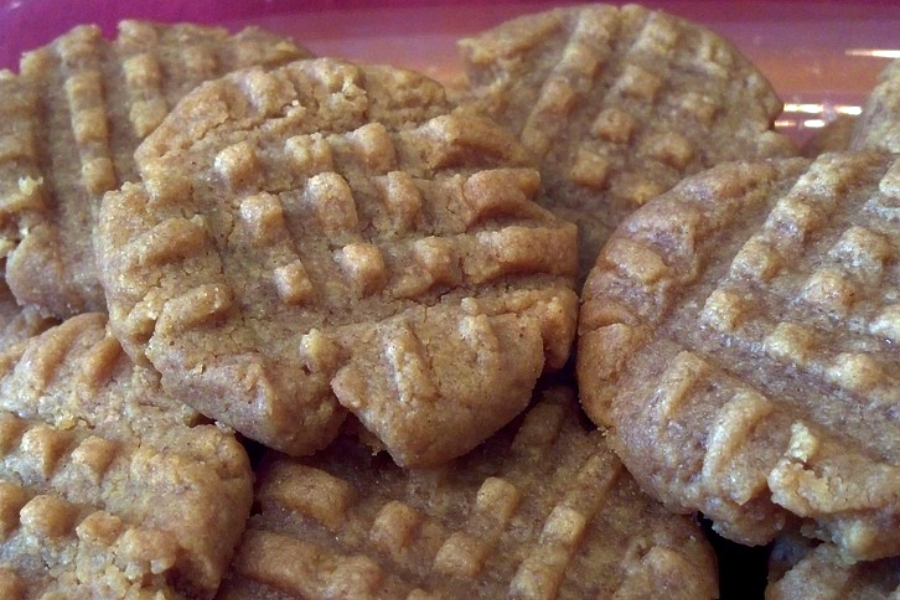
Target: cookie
x=69, y=125
x=619, y=104
x=109, y=488
x=823, y=574
x=543, y=510
x=738, y=333
x=326, y=238
x=878, y=126
x=834, y=137
x=18, y=323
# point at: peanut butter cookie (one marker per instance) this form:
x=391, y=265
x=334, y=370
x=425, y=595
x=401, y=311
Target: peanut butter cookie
x=109, y=488
x=878, y=126
x=739, y=335
x=617, y=104
x=327, y=237
x=69, y=125
x=542, y=510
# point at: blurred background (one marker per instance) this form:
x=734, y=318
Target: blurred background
x=821, y=56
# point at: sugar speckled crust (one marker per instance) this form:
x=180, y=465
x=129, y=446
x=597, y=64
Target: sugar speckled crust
x=878, y=126
x=618, y=104
x=825, y=575
x=329, y=237
x=543, y=510
x=69, y=125
x=109, y=489
x=738, y=334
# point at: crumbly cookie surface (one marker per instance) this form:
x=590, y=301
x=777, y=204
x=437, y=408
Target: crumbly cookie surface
x=109, y=488
x=542, y=510
x=878, y=126
x=619, y=104
x=738, y=335
x=329, y=237
x=69, y=125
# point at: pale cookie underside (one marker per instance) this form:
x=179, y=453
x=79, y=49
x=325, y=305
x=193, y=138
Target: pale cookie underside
x=329, y=237
x=69, y=125
x=878, y=126
x=738, y=334
x=618, y=105
x=108, y=487
x=543, y=510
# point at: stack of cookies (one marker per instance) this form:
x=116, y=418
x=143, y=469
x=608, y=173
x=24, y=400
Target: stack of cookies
x=283, y=326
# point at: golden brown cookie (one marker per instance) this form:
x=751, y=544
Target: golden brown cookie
x=739, y=334
x=69, y=125
x=824, y=575
x=109, y=488
x=329, y=237
x=618, y=105
x=542, y=510
x=878, y=126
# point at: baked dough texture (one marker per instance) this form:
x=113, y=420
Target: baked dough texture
x=739, y=336
x=618, y=104
x=109, y=488
x=327, y=238
x=69, y=125
x=543, y=510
